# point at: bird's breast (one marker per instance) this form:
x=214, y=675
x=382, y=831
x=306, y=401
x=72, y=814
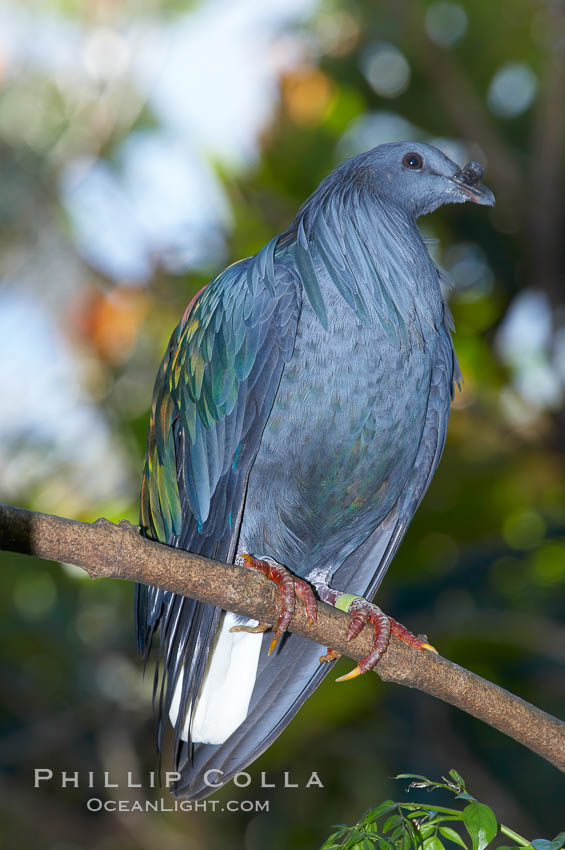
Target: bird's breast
x=340, y=441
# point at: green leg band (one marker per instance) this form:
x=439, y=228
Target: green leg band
x=343, y=602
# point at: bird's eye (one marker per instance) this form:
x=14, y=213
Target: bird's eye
x=413, y=160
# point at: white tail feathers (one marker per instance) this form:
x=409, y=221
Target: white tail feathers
x=228, y=682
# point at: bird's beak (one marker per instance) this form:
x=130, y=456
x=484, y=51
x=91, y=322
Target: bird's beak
x=468, y=181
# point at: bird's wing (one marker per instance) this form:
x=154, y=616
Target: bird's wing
x=282, y=687
x=212, y=398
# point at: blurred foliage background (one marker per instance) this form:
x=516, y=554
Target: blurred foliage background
x=145, y=144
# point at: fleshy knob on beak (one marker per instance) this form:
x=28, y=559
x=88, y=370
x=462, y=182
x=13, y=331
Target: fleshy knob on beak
x=471, y=174
x=468, y=180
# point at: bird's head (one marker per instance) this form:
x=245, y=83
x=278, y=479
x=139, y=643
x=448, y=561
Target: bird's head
x=419, y=178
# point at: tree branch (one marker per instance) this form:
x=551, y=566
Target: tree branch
x=106, y=550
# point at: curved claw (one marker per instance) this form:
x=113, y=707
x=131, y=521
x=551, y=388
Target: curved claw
x=357, y=671
x=351, y=675
x=363, y=612
x=252, y=630
x=429, y=647
x=305, y=592
x=417, y=641
x=289, y=587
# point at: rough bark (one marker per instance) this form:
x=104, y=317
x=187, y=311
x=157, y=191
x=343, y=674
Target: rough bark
x=106, y=550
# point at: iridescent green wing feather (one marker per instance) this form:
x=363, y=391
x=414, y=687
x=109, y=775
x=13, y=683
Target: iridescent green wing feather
x=213, y=394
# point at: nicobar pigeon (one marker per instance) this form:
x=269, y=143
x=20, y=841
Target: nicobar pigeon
x=298, y=417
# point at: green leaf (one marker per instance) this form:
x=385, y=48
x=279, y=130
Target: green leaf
x=449, y=833
x=384, y=808
x=418, y=781
x=481, y=824
x=409, y=842
x=391, y=822
x=426, y=830
x=330, y=841
x=355, y=834
x=412, y=776
x=457, y=778
x=464, y=795
x=433, y=843
x=442, y=817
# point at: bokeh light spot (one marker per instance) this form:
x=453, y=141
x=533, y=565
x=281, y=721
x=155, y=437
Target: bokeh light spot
x=338, y=33
x=446, y=23
x=106, y=54
x=512, y=90
x=549, y=564
x=386, y=69
x=307, y=94
x=372, y=129
x=524, y=529
x=110, y=320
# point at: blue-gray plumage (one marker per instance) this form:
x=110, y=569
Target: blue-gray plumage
x=300, y=413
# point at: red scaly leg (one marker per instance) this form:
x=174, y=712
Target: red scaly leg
x=289, y=587
x=363, y=612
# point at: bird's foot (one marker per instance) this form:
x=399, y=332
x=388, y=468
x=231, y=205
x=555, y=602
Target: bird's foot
x=331, y=655
x=362, y=612
x=289, y=586
x=252, y=630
